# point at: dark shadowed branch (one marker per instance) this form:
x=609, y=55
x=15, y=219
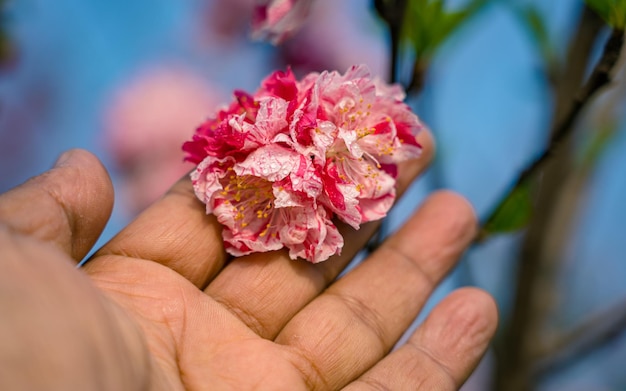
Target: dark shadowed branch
x=515, y=350
x=392, y=12
x=596, y=332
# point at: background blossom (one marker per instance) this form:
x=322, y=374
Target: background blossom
x=142, y=129
x=276, y=20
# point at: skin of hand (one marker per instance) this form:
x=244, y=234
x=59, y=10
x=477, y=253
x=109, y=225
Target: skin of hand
x=162, y=307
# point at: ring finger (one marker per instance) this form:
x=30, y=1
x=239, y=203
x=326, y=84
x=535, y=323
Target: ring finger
x=266, y=290
x=360, y=317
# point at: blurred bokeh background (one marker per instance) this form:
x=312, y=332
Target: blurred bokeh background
x=130, y=80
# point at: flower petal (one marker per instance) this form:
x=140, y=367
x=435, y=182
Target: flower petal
x=316, y=238
x=271, y=162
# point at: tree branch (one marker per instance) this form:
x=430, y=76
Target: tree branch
x=596, y=332
x=600, y=77
x=514, y=372
x=392, y=12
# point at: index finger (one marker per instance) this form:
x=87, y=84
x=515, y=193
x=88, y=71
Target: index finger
x=175, y=232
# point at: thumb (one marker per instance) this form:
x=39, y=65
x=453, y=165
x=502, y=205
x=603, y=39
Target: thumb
x=67, y=206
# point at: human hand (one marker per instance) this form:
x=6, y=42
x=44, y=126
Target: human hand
x=161, y=307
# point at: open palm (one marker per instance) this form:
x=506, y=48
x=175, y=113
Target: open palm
x=164, y=308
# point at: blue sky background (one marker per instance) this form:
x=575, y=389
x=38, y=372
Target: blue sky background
x=486, y=100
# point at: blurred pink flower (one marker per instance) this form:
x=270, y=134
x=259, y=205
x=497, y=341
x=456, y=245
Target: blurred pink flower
x=146, y=121
x=275, y=167
x=277, y=20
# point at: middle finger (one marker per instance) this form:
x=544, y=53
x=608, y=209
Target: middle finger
x=265, y=290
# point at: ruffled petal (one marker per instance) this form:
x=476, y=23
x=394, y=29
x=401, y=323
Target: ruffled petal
x=271, y=162
x=315, y=238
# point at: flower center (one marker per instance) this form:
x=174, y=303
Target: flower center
x=251, y=197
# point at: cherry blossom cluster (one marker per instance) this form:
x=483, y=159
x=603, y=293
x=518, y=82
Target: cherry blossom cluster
x=277, y=166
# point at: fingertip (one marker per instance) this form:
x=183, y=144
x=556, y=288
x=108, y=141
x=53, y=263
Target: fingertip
x=68, y=205
x=76, y=157
x=83, y=186
x=83, y=166
x=457, y=207
x=64, y=159
x=458, y=331
x=444, y=350
x=438, y=233
x=474, y=307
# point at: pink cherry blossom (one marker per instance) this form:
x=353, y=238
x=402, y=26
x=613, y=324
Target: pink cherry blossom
x=277, y=166
x=277, y=20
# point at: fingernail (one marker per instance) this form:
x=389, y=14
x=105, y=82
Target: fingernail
x=63, y=159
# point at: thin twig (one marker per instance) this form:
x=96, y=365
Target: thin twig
x=418, y=76
x=600, y=77
x=592, y=334
x=392, y=12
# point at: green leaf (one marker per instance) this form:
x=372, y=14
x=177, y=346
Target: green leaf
x=427, y=24
x=536, y=25
x=513, y=213
x=613, y=12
